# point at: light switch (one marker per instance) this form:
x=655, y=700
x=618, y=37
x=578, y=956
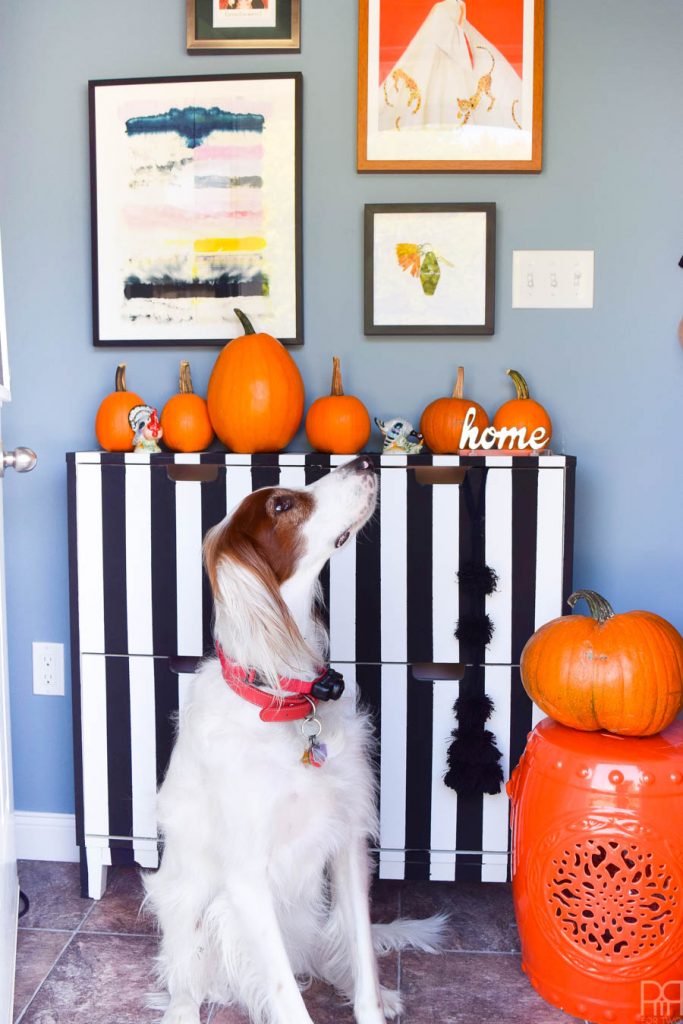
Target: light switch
x=552, y=279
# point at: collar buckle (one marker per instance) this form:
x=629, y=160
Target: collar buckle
x=329, y=687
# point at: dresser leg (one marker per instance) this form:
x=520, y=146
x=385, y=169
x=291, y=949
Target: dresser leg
x=93, y=872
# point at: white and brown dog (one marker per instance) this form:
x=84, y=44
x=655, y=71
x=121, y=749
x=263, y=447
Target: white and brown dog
x=269, y=802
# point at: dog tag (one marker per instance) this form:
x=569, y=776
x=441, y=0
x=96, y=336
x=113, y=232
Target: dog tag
x=315, y=754
x=334, y=741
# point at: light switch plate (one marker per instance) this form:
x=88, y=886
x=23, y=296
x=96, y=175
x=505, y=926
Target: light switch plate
x=552, y=279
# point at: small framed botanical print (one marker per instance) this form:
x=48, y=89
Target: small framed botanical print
x=243, y=26
x=430, y=268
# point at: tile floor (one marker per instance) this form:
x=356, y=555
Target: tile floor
x=86, y=962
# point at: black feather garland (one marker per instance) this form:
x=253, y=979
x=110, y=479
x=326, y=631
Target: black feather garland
x=473, y=757
x=478, y=578
x=476, y=630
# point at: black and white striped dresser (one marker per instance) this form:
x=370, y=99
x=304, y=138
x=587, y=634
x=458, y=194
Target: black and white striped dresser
x=141, y=618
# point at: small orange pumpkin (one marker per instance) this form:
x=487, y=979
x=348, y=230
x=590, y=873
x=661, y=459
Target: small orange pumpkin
x=114, y=432
x=443, y=419
x=338, y=423
x=622, y=673
x=256, y=394
x=185, y=418
x=520, y=413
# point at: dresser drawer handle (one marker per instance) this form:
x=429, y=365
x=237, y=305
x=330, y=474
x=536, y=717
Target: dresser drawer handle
x=431, y=670
x=182, y=665
x=197, y=472
x=428, y=476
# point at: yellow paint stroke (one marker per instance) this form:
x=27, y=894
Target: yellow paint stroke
x=229, y=244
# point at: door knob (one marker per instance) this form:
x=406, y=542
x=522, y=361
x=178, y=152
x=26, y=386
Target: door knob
x=21, y=459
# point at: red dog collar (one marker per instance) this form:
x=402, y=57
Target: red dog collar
x=285, y=708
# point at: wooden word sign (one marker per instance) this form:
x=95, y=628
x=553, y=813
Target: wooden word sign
x=507, y=438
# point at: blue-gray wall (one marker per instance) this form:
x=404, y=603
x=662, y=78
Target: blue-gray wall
x=612, y=376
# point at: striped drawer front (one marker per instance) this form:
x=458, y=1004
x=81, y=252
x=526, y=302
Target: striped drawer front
x=392, y=594
x=128, y=714
x=128, y=710
x=426, y=830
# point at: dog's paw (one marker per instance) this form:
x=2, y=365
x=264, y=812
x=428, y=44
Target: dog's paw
x=180, y=1016
x=391, y=1003
x=181, y=1013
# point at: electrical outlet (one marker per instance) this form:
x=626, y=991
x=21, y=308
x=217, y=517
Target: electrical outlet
x=552, y=279
x=48, y=669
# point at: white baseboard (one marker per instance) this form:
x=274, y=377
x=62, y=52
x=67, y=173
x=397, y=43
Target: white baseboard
x=41, y=836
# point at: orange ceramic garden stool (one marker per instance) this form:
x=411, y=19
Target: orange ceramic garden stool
x=597, y=871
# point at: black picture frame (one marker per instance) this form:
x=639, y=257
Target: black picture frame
x=205, y=38
x=102, y=338
x=484, y=326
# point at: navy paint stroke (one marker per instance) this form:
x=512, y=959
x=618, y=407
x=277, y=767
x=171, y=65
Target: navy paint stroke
x=194, y=124
x=225, y=286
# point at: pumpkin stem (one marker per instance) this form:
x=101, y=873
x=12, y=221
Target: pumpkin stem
x=245, y=321
x=521, y=386
x=185, y=379
x=599, y=607
x=121, y=377
x=459, y=382
x=337, y=388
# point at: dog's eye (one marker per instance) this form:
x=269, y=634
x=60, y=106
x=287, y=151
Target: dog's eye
x=282, y=505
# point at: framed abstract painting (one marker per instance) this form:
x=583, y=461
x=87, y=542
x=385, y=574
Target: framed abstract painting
x=430, y=268
x=450, y=85
x=196, y=208
x=244, y=26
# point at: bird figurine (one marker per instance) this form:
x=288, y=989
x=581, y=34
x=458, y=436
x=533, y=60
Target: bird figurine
x=146, y=428
x=400, y=437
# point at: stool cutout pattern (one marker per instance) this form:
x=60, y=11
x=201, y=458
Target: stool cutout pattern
x=614, y=899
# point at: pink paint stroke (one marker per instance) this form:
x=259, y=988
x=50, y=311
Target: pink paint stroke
x=228, y=153
x=165, y=216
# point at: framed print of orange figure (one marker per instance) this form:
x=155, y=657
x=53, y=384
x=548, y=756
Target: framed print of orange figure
x=450, y=85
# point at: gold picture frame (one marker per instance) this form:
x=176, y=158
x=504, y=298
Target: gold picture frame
x=215, y=25
x=480, y=110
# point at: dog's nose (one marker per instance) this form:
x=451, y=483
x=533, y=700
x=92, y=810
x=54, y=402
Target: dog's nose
x=360, y=465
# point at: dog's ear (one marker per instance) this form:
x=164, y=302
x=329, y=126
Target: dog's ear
x=252, y=621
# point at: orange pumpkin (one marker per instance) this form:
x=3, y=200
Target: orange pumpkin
x=185, y=418
x=442, y=420
x=338, y=423
x=522, y=412
x=622, y=673
x=256, y=394
x=112, y=428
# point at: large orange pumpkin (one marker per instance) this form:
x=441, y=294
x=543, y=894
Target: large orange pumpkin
x=256, y=394
x=185, y=418
x=622, y=673
x=442, y=421
x=112, y=428
x=522, y=412
x=338, y=423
